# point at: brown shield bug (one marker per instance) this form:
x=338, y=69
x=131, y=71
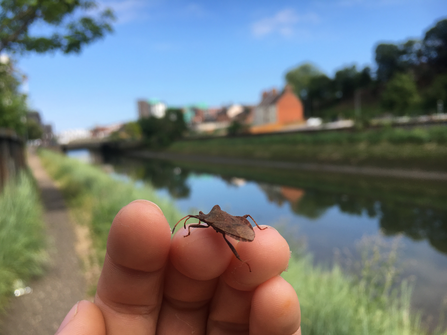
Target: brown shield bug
x=238, y=227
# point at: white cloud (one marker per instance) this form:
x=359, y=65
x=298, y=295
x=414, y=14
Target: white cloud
x=128, y=10
x=283, y=23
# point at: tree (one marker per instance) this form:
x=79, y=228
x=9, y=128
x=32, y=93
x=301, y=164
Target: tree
x=387, y=59
x=301, y=80
x=129, y=131
x=435, y=46
x=33, y=130
x=400, y=94
x=301, y=77
x=437, y=91
x=13, y=106
x=70, y=21
x=160, y=132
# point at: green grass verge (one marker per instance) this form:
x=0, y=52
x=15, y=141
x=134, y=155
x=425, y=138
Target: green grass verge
x=331, y=302
x=22, y=235
x=424, y=148
x=96, y=197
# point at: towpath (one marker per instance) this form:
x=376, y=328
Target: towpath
x=63, y=284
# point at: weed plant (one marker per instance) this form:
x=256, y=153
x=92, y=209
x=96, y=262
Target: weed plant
x=22, y=237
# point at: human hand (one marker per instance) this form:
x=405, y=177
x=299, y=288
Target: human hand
x=151, y=284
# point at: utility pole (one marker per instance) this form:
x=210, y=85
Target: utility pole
x=358, y=105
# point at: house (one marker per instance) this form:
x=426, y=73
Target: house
x=277, y=109
x=151, y=107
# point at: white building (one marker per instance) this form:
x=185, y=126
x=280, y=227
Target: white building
x=72, y=135
x=157, y=108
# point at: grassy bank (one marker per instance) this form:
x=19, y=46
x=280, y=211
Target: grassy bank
x=96, y=197
x=22, y=238
x=331, y=302
x=423, y=148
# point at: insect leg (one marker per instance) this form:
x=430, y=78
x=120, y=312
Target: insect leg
x=195, y=226
x=248, y=215
x=187, y=216
x=235, y=252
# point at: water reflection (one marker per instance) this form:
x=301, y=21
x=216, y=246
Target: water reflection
x=395, y=217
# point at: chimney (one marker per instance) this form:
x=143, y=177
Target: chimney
x=288, y=88
x=264, y=95
x=274, y=92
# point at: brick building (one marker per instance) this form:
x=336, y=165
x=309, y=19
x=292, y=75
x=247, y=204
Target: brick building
x=277, y=109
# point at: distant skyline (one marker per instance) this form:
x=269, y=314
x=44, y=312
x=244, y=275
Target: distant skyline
x=184, y=52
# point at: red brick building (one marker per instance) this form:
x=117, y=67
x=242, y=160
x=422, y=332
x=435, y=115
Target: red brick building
x=277, y=109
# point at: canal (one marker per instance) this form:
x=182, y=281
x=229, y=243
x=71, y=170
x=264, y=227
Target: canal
x=335, y=217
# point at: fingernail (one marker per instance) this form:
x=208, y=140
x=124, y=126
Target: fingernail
x=69, y=317
x=153, y=203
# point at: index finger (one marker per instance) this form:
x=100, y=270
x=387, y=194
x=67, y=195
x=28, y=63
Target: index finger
x=130, y=287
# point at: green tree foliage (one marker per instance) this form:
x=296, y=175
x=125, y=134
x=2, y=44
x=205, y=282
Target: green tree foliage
x=387, y=59
x=237, y=128
x=12, y=103
x=318, y=91
x=73, y=23
x=400, y=94
x=160, y=132
x=348, y=80
x=33, y=130
x=437, y=91
x=300, y=78
x=130, y=131
x=435, y=46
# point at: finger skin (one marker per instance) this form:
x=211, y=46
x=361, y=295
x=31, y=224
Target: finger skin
x=275, y=309
x=130, y=287
x=196, y=263
x=268, y=256
x=186, y=304
x=202, y=255
x=84, y=318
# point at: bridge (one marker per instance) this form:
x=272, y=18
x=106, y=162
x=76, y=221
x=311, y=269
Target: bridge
x=98, y=144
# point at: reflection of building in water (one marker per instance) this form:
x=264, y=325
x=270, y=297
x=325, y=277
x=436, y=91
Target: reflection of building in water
x=281, y=194
x=237, y=181
x=293, y=195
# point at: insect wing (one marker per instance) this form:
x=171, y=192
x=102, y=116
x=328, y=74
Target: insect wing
x=237, y=227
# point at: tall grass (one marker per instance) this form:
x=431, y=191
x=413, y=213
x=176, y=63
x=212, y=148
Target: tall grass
x=96, y=197
x=331, y=302
x=22, y=238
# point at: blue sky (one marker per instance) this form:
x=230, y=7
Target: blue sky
x=215, y=52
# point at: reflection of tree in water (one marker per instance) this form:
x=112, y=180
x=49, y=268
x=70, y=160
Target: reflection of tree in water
x=165, y=175
x=416, y=222
x=160, y=174
x=273, y=193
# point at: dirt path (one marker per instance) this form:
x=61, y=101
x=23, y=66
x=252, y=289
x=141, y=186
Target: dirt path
x=42, y=311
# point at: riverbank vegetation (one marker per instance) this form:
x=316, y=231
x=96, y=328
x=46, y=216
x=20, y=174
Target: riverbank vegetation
x=330, y=299
x=22, y=236
x=95, y=197
x=418, y=148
